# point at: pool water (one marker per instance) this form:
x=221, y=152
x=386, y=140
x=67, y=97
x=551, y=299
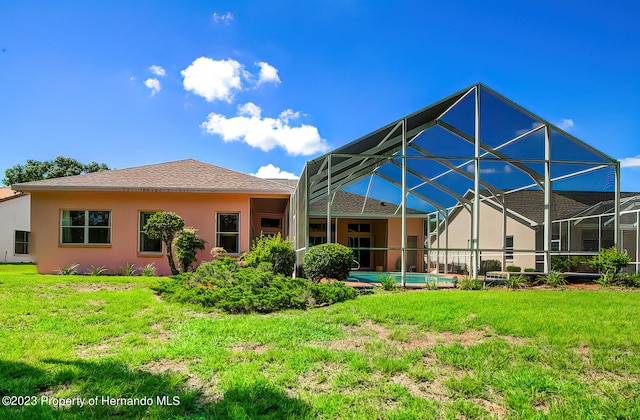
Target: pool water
x=412, y=278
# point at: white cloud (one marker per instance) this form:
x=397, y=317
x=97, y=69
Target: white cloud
x=535, y=124
x=630, y=162
x=154, y=85
x=270, y=171
x=213, y=79
x=472, y=169
x=225, y=18
x=289, y=114
x=265, y=133
x=132, y=78
x=268, y=73
x=566, y=123
x=158, y=70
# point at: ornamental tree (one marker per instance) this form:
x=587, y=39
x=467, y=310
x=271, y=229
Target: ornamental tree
x=165, y=225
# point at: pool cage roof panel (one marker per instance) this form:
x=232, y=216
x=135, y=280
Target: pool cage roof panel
x=440, y=150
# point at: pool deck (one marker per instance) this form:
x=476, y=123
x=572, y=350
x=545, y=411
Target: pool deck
x=409, y=286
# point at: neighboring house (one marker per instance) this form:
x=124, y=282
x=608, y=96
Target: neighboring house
x=14, y=226
x=524, y=228
x=97, y=219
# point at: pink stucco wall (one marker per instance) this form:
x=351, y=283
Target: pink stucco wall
x=197, y=209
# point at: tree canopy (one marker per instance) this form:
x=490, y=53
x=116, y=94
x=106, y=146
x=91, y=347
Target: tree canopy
x=165, y=225
x=34, y=170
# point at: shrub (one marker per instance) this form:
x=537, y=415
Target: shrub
x=218, y=252
x=272, y=249
x=222, y=284
x=529, y=270
x=265, y=266
x=96, y=271
x=469, y=283
x=489, y=265
x=187, y=245
x=165, y=225
x=554, y=279
x=387, y=282
x=149, y=270
x=630, y=280
x=68, y=270
x=609, y=262
x=517, y=282
x=129, y=270
x=560, y=263
x=513, y=269
x=331, y=261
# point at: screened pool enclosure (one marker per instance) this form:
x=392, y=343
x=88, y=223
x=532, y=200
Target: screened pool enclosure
x=470, y=183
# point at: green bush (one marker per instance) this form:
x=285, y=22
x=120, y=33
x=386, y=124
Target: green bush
x=529, y=270
x=560, y=263
x=274, y=250
x=513, y=269
x=331, y=261
x=387, y=282
x=489, y=265
x=517, y=282
x=222, y=284
x=187, y=245
x=629, y=280
x=609, y=262
x=554, y=279
x=469, y=283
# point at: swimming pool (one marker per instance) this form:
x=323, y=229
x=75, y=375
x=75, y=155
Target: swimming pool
x=412, y=278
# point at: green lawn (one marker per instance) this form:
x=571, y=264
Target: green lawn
x=430, y=354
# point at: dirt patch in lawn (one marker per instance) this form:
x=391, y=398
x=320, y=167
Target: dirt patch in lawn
x=207, y=389
x=95, y=350
x=254, y=347
x=82, y=287
x=361, y=335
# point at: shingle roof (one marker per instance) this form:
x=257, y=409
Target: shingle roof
x=346, y=203
x=7, y=194
x=565, y=204
x=187, y=175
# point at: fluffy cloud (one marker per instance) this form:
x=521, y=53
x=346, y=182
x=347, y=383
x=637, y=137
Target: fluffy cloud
x=213, y=79
x=158, y=70
x=154, y=85
x=566, y=123
x=630, y=162
x=266, y=133
x=268, y=73
x=225, y=18
x=270, y=171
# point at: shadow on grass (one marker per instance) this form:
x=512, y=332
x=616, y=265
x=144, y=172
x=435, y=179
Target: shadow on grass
x=150, y=395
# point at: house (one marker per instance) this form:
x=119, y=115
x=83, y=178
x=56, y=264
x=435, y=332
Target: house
x=97, y=219
x=14, y=226
x=523, y=233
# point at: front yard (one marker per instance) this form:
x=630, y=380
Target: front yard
x=97, y=347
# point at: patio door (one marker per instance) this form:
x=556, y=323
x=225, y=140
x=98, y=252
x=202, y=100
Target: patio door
x=363, y=256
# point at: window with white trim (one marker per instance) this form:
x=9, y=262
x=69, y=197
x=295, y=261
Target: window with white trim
x=85, y=227
x=146, y=244
x=508, y=248
x=228, y=232
x=21, y=242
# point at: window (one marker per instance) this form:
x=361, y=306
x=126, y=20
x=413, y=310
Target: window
x=270, y=222
x=318, y=233
x=359, y=227
x=508, y=248
x=147, y=244
x=86, y=227
x=229, y=232
x=21, y=242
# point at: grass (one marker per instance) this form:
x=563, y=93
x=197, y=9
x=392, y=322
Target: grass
x=464, y=354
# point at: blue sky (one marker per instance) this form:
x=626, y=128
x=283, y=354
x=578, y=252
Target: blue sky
x=247, y=84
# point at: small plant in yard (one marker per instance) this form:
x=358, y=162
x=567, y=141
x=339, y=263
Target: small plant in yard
x=554, y=279
x=609, y=262
x=96, y=271
x=469, y=283
x=68, y=270
x=149, y=270
x=165, y=225
x=629, y=280
x=129, y=270
x=489, y=265
x=187, y=244
x=431, y=283
x=331, y=261
x=517, y=282
x=387, y=282
x=513, y=269
x=274, y=250
x=218, y=252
